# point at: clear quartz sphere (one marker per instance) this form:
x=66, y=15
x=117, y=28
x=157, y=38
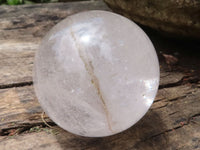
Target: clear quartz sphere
x=96, y=73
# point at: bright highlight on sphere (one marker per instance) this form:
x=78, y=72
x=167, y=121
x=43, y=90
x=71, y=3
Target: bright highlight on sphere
x=96, y=73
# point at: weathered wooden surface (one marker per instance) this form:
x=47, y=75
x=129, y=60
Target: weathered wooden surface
x=173, y=121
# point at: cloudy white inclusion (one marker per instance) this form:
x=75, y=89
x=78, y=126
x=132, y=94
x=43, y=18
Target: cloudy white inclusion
x=91, y=34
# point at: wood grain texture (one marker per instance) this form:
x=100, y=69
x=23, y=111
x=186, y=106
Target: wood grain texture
x=173, y=122
x=175, y=125
x=176, y=139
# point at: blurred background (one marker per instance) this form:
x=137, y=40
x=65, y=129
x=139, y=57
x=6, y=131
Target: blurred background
x=173, y=122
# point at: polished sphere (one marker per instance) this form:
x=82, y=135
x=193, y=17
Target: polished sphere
x=96, y=73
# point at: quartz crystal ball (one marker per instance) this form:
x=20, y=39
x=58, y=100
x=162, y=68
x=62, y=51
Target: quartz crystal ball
x=96, y=73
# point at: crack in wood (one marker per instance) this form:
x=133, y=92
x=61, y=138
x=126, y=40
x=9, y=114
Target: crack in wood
x=175, y=99
x=166, y=131
x=94, y=80
x=173, y=113
x=173, y=129
x=24, y=127
x=196, y=115
x=184, y=80
x=160, y=107
x=22, y=27
x=169, y=85
x=158, y=100
x=12, y=85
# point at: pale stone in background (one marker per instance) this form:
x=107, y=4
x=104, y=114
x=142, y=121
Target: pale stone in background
x=174, y=18
x=96, y=73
